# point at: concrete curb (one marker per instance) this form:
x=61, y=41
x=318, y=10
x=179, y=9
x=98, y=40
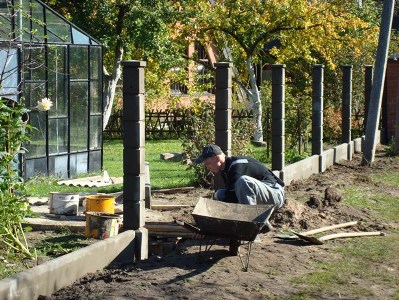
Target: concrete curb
x=53, y=275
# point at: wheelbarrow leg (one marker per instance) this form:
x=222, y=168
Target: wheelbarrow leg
x=208, y=245
x=234, y=247
x=245, y=261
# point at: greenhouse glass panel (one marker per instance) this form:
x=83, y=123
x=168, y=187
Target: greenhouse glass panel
x=37, y=22
x=59, y=166
x=5, y=21
x=81, y=162
x=79, y=38
x=95, y=159
x=95, y=99
x=34, y=63
x=78, y=62
x=36, y=167
x=34, y=92
x=57, y=29
x=95, y=62
x=58, y=136
x=95, y=128
x=57, y=79
x=79, y=116
x=78, y=163
x=9, y=76
x=96, y=80
x=37, y=145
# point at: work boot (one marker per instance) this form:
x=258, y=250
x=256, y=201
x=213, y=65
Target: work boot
x=234, y=247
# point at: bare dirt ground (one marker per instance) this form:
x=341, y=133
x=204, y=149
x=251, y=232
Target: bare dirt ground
x=274, y=263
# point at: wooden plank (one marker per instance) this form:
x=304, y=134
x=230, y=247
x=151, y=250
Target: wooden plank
x=168, y=229
x=175, y=190
x=168, y=206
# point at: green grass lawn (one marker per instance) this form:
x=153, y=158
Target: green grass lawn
x=163, y=174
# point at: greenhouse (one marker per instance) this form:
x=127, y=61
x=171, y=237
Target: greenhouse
x=43, y=55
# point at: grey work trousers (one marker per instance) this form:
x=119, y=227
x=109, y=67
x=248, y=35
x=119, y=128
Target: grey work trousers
x=252, y=191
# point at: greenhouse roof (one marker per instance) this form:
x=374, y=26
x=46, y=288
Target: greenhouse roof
x=38, y=23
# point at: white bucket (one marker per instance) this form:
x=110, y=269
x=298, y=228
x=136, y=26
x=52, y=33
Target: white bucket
x=64, y=203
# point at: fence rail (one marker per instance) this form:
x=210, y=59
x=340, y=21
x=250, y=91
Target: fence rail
x=162, y=124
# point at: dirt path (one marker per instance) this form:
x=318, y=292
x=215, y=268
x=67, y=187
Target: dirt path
x=275, y=264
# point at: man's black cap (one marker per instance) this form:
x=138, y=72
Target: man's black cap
x=209, y=150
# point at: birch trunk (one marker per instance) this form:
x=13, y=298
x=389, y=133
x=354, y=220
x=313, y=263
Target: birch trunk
x=110, y=83
x=256, y=103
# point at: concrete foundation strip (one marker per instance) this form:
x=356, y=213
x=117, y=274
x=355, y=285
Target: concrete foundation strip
x=49, y=277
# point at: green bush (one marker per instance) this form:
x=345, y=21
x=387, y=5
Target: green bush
x=13, y=198
x=202, y=131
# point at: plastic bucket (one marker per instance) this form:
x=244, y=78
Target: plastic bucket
x=101, y=225
x=100, y=203
x=64, y=203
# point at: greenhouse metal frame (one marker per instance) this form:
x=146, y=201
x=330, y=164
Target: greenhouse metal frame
x=43, y=55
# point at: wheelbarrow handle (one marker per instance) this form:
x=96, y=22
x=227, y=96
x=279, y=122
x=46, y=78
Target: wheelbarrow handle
x=188, y=226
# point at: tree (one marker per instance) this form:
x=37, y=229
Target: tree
x=311, y=31
x=138, y=30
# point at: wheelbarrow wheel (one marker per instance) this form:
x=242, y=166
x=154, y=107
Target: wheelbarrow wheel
x=234, y=247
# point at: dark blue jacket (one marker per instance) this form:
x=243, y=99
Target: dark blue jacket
x=237, y=166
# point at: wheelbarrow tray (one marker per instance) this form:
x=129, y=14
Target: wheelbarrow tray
x=231, y=220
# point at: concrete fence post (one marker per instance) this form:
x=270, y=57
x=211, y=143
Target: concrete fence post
x=278, y=118
x=223, y=110
x=346, y=106
x=317, y=109
x=134, y=177
x=368, y=83
x=223, y=106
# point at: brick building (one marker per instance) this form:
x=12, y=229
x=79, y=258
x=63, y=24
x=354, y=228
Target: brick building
x=390, y=102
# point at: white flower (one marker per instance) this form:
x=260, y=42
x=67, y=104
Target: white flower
x=44, y=105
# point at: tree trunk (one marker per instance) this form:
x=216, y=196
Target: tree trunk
x=256, y=103
x=110, y=83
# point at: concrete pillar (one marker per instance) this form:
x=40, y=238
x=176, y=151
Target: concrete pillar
x=368, y=83
x=223, y=108
x=317, y=109
x=134, y=154
x=346, y=106
x=278, y=118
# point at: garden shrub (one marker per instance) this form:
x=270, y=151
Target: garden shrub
x=13, y=198
x=201, y=131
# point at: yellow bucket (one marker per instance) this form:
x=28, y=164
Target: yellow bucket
x=101, y=225
x=100, y=203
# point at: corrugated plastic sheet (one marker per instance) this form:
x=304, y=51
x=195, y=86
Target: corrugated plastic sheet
x=94, y=181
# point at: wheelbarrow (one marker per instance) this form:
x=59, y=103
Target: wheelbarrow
x=242, y=222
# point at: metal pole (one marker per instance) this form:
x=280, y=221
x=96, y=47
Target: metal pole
x=378, y=82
